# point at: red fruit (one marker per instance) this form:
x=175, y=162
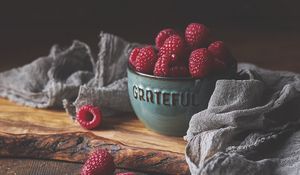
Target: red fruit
x=218, y=50
x=99, y=162
x=196, y=35
x=200, y=63
x=89, y=116
x=221, y=55
x=179, y=71
x=145, y=60
x=128, y=173
x=162, y=66
x=163, y=35
x=173, y=46
x=133, y=55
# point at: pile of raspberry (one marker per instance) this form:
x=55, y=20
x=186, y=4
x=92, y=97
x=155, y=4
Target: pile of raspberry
x=195, y=55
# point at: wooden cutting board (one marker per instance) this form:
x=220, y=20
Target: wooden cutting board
x=49, y=134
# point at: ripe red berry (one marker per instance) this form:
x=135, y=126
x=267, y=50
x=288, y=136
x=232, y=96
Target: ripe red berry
x=133, y=55
x=179, y=71
x=163, y=35
x=145, y=60
x=196, y=35
x=99, y=162
x=218, y=50
x=200, y=63
x=173, y=46
x=89, y=116
x=128, y=173
x=221, y=54
x=162, y=66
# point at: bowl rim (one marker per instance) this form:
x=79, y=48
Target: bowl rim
x=129, y=67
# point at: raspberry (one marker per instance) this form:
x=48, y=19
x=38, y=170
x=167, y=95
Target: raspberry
x=221, y=55
x=99, y=162
x=218, y=50
x=89, y=116
x=163, y=35
x=200, y=63
x=162, y=66
x=179, y=71
x=173, y=46
x=196, y=35
x=128, y=173
x=133, y=55
x=145, y=60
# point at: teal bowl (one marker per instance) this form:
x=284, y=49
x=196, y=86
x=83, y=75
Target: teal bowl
x=166, y=105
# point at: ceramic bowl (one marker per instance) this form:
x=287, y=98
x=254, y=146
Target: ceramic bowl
x=166, y=104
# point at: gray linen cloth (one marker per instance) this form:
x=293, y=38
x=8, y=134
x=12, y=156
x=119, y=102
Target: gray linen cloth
x=72, y=74
x=251, y=125
x=48, y=80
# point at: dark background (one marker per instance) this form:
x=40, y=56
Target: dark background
x=262, y=32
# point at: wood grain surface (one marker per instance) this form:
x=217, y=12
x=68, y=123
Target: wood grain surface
x=12, y=166
x=33, y=133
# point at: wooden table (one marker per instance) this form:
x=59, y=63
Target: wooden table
x=47, y=134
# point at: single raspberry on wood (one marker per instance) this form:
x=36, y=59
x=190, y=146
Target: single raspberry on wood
x=89, y=116
x=99, y=162
x=173, y=46
x=163, y=35
x=162, y=66
x=133, y=55
x=196, y=35
x=145, y=60
x=200, y=63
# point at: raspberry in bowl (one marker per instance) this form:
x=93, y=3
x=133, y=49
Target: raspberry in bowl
x=169, y=83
